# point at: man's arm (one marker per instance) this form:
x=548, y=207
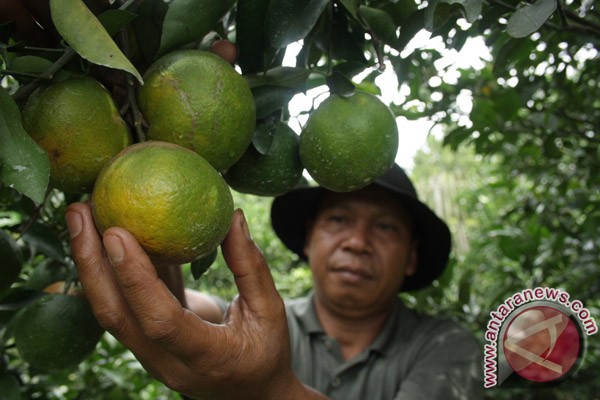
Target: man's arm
x=248, y=356
x=201, y=304
x=205, y=306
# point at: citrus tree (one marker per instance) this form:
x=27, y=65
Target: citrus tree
x=534, y=104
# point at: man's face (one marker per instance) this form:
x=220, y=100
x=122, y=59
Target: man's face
x=360, y=248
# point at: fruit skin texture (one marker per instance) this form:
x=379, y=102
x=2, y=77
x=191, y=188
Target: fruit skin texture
x=56, y=332
x=196, y=99
x=78, y=124
x=171, y=199
x=348, y=142
x=12, y=260
x=271, y=174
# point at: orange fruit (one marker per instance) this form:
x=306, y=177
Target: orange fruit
x=196, y=99
x=171, y=199
x=271, y=174
x=348, y=142
x=60, y=287
x=56, y=332
x=225, y=49
x=78, y=124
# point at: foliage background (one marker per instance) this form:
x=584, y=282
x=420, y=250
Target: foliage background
x=515, y=174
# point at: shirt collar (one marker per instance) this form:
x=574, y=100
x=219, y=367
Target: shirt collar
x=307, y=315
x=396, y=328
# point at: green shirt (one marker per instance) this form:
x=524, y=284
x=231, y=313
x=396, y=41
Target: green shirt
x=414, y=357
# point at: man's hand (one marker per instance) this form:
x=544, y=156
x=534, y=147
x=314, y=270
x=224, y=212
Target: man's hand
x=246, y=357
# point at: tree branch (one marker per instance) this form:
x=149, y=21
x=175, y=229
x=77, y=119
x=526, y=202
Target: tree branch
x=582, y=21
x=24, y=91
x=572, y=22
x=138, y=118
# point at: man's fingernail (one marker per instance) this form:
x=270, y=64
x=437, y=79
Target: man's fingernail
x=245, y=226
x=74, y=223
x=114, y=248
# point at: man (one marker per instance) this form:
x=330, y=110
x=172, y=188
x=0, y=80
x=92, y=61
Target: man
x=350, y=339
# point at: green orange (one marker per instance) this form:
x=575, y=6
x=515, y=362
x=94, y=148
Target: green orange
x=196, y=99
x=349, y=141
x=271, y=174
x=171, y=199
x=56, y=332
x=77, y=123
x=9, y=386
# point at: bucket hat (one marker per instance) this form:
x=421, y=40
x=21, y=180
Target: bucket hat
x=291, y=211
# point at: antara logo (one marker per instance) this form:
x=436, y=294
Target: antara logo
x=536, y=337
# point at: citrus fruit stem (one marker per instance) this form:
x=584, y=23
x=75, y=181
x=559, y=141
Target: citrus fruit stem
x=138, y=118
x=24, y=91
x=24, y=227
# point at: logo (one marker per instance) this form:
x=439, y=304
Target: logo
x=536, y=337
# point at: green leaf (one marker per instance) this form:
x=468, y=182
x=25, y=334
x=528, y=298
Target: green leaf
x=472, y=8
x=37, y=66
x=381, y=24
x=457, y=137
x=433, y=15
x=350, y=68
x=148, y=27
x=19, y=298
x=410, y=28
x=351, y=6
x=340, y=85
x=402, y=11
x=339, y=36
x=292, y=20
x=190, y=20
x=114, y=20
x=530, y=18
x=24, y=165
x=369, y=87
x=484, y=115
x=269, y=99
x=264, y=133
x=439, y=11
x=86, y=35
x=290, y=77
x=251, y=34
x=199, y=267
x=45, y=240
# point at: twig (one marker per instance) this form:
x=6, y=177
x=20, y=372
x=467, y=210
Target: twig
x=26, y=90
x=379, y=51
x=24, y=227
x=43, y=49
x=561, y=14
x=18, y=73
x=138, y=118
x=595, y=28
